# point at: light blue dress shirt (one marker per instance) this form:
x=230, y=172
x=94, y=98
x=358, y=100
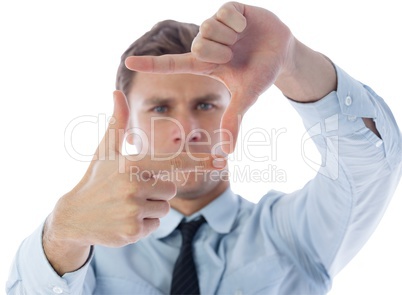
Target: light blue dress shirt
x=286, y=244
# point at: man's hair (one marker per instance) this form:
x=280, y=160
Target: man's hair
x=166, y=37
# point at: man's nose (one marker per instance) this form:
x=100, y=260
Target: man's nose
x=187, y=129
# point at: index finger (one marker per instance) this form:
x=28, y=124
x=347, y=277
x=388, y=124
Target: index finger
x=156, y=163
x=184, y=63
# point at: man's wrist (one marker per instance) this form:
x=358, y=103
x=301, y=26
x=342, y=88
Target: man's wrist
x=308, y=75
x=64, y=255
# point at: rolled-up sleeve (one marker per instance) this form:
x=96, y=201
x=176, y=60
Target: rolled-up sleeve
x=324, y=224
x=31, y=272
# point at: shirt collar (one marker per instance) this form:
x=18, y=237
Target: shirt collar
x=220, y=215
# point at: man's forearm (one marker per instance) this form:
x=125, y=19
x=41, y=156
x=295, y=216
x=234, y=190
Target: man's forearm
x=309, y=76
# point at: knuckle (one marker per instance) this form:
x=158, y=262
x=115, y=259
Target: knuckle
x=228, y=56
x=125, y=188
x=132, y=232
x=134, y=212
x=165, y=208
x=152, y=226
x=196, y=48
x=223, y=13
x=206, y=28
x=125, y=198
x=156, y=223
x=232, y=39
x=171, y=64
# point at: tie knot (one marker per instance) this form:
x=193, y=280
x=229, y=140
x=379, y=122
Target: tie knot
x=189, y=229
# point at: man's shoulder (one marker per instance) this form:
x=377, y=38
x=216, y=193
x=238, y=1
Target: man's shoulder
x=249, y=203
x=248, y=207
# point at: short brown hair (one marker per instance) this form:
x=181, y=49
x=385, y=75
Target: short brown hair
x=166, y=37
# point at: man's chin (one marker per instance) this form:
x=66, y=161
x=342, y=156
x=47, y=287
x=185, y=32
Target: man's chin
x=187, y=180
x=193, y=183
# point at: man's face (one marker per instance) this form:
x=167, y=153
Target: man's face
x=180, y=112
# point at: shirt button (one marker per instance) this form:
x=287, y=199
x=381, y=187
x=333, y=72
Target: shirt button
x=378, y=143
x=352, y=118
x=348, y=100
x=57, y=290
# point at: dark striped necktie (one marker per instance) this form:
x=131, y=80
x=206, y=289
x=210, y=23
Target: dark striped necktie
x=185, y=279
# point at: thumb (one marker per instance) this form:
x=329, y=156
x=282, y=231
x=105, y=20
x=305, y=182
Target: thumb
x=112, y=142
x=231, y=120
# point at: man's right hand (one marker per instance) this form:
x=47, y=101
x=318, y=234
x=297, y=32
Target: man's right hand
x=109, y=207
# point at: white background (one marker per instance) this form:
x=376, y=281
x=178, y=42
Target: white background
x=58, y=61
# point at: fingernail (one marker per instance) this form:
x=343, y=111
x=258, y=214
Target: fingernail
x=219, y=163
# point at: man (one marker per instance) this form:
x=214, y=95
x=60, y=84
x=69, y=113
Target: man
x=107, y=235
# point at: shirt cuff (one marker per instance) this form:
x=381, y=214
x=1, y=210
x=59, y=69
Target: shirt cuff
x=38, y=274
x=340, y=110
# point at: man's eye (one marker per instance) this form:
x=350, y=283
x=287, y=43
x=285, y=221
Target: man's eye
x=160, y=109
x=204, y=106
